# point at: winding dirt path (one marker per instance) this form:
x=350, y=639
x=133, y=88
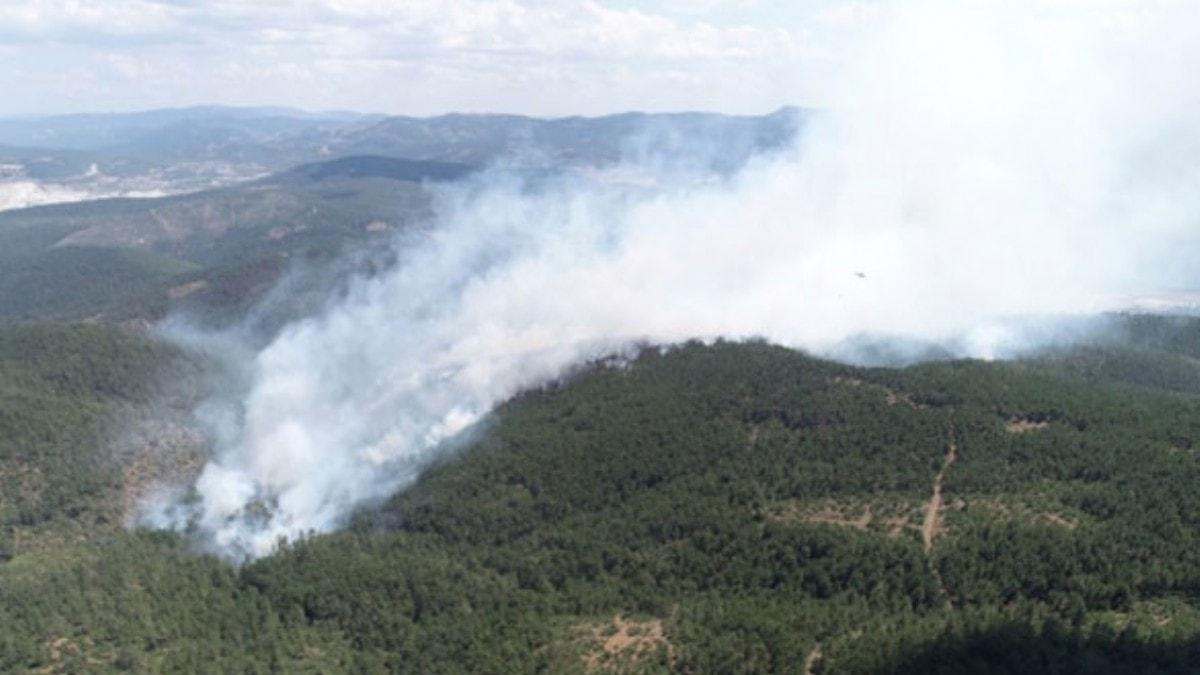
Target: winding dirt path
x=933, y=511
x=933, y=516
x=814, y=657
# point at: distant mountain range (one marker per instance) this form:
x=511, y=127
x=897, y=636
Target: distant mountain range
x=108, y=131
x=476, y=135
x=183, y=149
x=155, y=200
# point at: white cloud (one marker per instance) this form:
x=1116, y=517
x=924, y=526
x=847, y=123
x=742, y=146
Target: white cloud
x=37, y=20
x=560, y=48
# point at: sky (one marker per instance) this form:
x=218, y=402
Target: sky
x=421, y=57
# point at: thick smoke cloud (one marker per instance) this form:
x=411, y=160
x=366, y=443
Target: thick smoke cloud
x=980, y=168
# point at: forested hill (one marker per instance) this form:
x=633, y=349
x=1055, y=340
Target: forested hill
x=723, y=508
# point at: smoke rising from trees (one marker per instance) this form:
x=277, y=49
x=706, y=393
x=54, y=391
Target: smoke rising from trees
x=979, y=167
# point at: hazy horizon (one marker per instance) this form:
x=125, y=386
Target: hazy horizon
x=587, y=57
x=287, y=110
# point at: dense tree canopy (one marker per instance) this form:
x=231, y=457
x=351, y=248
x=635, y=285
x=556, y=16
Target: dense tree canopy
x=721, y=508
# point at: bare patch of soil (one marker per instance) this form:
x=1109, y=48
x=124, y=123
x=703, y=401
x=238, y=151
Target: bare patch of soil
x=1021, y=425
x=813, y=658
x=890, y=516
x=184, y=290
x=1058, y=519
x=832, y=517
x=64, y=656
x=620, y=646
x=933, y=511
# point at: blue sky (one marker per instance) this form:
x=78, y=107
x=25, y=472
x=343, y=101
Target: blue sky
x=544, y=57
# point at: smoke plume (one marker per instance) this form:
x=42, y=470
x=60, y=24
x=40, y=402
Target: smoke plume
x=978, y=167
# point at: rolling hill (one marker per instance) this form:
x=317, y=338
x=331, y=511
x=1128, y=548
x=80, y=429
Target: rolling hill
x=277, y=138
x=191, y=149
x=131, y=258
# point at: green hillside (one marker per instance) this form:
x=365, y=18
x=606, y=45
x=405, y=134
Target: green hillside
x=71, y=282
x=724, y=508
x=66, y=391
x=137, y=258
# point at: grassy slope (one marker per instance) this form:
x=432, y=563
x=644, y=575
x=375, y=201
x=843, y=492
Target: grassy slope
x=705, y=506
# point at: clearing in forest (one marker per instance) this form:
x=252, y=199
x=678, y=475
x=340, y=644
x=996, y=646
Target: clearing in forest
x=622, y=645
x=1021, y=425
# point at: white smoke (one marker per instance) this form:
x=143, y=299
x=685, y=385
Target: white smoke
x=19, y=194
x=982, y=164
